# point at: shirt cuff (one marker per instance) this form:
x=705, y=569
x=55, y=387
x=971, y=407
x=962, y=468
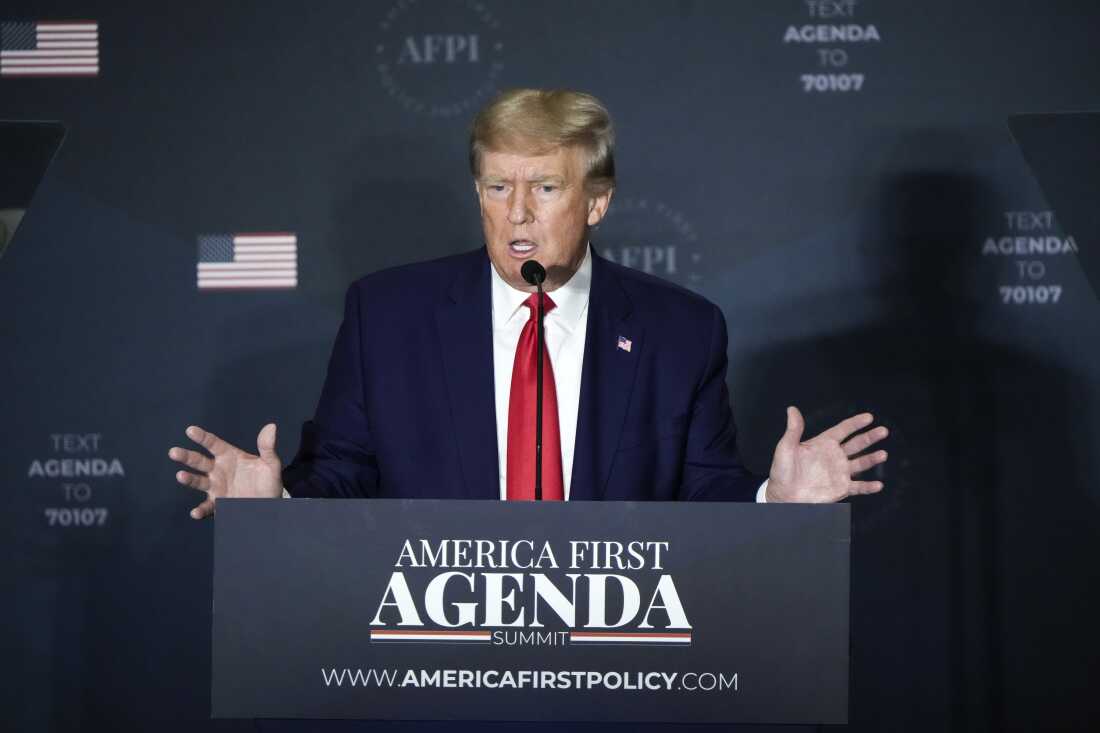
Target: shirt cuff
x=286, y=494
x=762, y=493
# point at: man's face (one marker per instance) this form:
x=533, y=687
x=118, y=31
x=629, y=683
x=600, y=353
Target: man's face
x=535, y=207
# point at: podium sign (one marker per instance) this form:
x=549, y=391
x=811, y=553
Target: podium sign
x=556, y=611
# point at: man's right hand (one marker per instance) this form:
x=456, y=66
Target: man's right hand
x=229, y=471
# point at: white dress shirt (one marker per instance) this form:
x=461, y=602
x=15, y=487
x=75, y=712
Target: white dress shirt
x=566, y=327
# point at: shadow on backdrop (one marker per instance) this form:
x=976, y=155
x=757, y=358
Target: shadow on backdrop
x=961, y=566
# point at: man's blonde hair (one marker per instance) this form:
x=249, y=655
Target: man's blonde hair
x=536, y=121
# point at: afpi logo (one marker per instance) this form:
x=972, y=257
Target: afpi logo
x=441, y=61
x=434, y=48
x=651, y=236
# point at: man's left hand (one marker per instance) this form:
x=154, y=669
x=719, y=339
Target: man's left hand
x=821, y=469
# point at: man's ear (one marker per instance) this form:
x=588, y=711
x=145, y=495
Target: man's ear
x=597, y=206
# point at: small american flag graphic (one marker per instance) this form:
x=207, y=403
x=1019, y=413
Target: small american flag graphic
x=255, y=261
x=624, y=344
x=54, y=48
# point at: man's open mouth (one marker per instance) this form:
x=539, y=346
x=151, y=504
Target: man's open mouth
x=521, y=247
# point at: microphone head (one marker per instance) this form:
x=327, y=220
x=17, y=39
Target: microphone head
x=533, y=272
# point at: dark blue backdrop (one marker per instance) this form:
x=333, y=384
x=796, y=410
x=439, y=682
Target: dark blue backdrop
x=847, y=196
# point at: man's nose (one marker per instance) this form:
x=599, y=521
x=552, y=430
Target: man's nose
x=519, y=208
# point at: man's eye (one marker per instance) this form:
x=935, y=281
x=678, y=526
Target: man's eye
x=496, y=187
x=548, y=189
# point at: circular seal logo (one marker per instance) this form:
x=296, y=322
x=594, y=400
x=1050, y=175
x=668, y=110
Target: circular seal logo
x=440, y=61
x=651, y=236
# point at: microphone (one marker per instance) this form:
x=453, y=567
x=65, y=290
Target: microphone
x=535, y=274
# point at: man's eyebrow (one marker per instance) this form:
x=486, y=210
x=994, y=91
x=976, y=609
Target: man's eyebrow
x=546, y=178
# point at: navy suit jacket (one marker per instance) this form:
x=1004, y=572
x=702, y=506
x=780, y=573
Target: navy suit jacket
x=408, y=409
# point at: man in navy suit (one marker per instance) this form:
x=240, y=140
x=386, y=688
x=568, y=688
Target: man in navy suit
x=430, y=388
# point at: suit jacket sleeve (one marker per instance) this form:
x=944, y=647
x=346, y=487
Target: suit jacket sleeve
x=713, y=470
x=335, y=457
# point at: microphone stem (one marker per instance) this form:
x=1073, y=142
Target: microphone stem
x=538, y=399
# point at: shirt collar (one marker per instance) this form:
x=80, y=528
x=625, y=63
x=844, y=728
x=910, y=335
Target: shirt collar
x=570, y=300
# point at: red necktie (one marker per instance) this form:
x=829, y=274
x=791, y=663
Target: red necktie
x=521, y=416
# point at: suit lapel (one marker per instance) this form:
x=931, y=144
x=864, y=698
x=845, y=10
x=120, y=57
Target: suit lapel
x=465, y=328
x=607, y=380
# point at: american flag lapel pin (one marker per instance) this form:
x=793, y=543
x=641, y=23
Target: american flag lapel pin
x=624, y=344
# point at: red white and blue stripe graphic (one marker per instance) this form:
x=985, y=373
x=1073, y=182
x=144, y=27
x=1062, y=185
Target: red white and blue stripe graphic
x=248, y=261
x=663, y=638
x=49, y=48
x=575, y=637
x=436, y=637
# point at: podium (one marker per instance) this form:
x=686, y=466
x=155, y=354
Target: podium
x=548, y=611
